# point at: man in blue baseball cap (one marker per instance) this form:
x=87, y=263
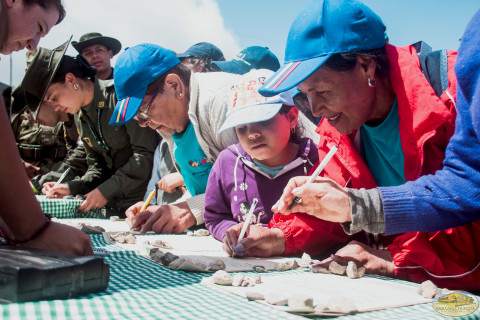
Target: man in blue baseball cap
x=187, y=109
x=200, y=56
x=254, y=57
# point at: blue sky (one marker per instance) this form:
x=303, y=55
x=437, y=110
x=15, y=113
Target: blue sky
x=440, y=23
x=234, y=25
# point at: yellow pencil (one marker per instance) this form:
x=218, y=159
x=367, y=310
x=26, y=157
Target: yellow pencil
x=150, y=197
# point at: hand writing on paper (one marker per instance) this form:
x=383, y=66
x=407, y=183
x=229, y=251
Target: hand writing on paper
x=375, y=261
x=93, y=200
x=323, y=198
x=59, y=191
x=259, y=241
x=170, y=182
x=170, y=218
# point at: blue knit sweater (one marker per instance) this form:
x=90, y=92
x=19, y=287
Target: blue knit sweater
x=451, y=197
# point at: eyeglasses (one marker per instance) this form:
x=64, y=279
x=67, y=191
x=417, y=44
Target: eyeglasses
x=301, y=100
x=144, y=114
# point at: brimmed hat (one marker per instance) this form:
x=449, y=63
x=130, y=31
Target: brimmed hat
x=246, y=105
x=40, y=74
x=323, y=28
x=135, y=69
x=254, y=57
x=203, y=50
x=92, y=38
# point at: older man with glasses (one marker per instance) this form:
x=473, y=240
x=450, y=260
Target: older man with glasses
x=187, y=109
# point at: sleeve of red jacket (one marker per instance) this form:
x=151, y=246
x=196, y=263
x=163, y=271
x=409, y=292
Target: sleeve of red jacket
x=449, y=258
x=306, y=233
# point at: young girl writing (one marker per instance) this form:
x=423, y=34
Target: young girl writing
x=269, y=153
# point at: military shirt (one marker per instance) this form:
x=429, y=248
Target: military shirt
x=76, y=158
x=119, y=158
x=38, y=144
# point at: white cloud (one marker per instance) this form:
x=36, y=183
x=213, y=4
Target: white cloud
x=174, y=24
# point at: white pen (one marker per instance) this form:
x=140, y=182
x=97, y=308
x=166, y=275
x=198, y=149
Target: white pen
x=317, y=171
x=247, y=220
x=62, y=177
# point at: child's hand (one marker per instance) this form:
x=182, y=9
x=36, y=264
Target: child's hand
x=170, y=182
x=132, y=211
x=259, y=241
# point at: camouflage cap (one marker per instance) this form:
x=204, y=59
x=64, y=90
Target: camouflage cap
x=40, y=74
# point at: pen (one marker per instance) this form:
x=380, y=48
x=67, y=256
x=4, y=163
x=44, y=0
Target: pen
x=64, y=174
x=317, y=171
x=149, y=199
x=247, y=220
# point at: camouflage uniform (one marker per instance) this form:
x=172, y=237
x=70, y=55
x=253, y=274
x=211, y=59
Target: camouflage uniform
x=120, y=158
x=39, y=145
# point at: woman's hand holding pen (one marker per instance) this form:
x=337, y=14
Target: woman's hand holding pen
x=55, y=191
x=323, y=198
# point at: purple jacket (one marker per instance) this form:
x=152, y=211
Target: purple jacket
x=235, y=181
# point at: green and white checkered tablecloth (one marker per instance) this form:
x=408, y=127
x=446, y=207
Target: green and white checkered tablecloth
x=142, y=289
x=66, y=208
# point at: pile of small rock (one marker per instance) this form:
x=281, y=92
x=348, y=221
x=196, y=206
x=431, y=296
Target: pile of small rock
x=123, y=237
x=174, y=262
x=239, y=280
x=429, y=290
x=87, y=228
x=296, y=302
x=159, y=244
x=350, y=270
x=198, y=233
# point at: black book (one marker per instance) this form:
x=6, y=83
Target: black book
x=32, y=275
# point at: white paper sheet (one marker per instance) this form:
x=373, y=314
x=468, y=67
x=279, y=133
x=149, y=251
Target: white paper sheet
x=201, y=250
x=367, y=293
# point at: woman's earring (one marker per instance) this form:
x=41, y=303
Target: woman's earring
x=180, y=94
x=371, y=83
x=292, y=130
x=75, y=86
